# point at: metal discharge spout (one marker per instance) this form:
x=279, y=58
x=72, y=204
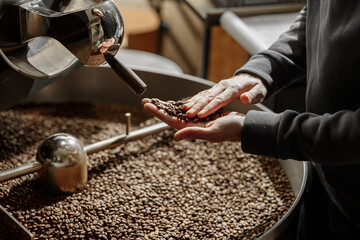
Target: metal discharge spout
x=45, y=43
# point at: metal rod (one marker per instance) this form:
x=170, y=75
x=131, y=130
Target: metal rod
x=124, y=138
x=92, y=148
x=128, y=122
x=20, y=171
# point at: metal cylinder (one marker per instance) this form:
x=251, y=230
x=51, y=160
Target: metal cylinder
x=64, y=162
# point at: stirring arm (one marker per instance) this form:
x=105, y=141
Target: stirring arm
x=92, y=148
x=20, y=171
x=124, y=138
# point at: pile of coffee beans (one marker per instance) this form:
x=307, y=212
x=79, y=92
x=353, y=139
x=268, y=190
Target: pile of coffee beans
x=152, y=188
x=175, y=108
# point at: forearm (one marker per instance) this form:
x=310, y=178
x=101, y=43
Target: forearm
x=331, y=139
x=284, y=61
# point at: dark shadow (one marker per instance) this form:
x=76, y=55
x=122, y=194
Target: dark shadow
x=30, y=194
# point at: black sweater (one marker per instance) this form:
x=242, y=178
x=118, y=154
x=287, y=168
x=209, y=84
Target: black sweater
x=324, y=45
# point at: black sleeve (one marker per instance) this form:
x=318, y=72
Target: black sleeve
x=330, y=139
x=111, y=26
x=284, y=61
x=108, y=23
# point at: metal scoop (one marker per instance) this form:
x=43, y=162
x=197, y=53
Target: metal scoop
x=62, y=159
x=42, y=41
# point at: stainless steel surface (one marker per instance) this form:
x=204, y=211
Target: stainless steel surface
x=43, y=40
x=62, y=159
x=61, y=164
x=85, y=84
x=41, y=34
x=124, y=138
x=64, y=163
x=128, y=123
x=20, y=171
x=239, y=31
x=14, y=229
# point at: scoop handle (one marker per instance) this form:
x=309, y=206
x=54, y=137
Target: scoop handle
x=133, y=80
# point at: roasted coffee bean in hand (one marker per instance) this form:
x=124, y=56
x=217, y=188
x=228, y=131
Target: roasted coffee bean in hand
x=175, y=108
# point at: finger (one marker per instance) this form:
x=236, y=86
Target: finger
x=145, y=100
x=224, y=95
x=254, y=95
x=196, y=108
x=172, y=121
x=233, y=113
x=200, y=104
x=192, y=101
x=150, y=107
x=159, y=113
x=218, y=102
x=163, y=116
x=148, y=100
x=193, y=133
x=210, y=94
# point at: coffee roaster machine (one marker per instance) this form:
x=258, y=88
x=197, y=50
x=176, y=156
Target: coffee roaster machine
x=43, y=62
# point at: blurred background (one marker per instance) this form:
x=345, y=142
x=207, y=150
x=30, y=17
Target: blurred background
x=189, y=34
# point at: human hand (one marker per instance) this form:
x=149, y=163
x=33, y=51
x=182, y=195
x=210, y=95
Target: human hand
x=104, y=46
x=248, y=88
x=226, y=128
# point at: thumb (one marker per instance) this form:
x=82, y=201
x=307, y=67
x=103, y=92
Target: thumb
x=254, y=95
x=193, y=133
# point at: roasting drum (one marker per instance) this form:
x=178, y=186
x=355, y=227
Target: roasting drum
x=101, y=84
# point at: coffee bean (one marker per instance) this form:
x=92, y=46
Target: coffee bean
x=149, y=188
x=175, y=108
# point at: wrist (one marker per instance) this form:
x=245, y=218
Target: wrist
x=259, y=133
